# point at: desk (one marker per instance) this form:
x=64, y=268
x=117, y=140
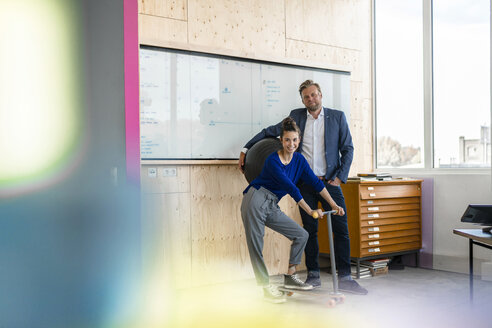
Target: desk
x=475, y=237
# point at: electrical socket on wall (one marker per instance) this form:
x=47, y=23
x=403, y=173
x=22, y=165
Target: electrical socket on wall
x=152, y=171
x=169, y=172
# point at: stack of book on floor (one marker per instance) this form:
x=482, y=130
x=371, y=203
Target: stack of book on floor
x=375, y=176
x=364, y=272
x=376, y=267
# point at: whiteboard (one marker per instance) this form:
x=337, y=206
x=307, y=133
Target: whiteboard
x=202, y=106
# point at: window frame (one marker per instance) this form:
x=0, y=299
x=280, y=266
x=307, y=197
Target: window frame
x=428, y=92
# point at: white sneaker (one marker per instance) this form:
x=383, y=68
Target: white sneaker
x=273, y=295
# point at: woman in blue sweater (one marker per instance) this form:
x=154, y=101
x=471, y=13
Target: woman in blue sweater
x=281, y=172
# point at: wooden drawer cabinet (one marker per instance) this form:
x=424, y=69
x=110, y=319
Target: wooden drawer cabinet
x=388, y=228
x=384, y=235
x=384, y=218
x=388, y=201
x=389, y=208
x=386, y=215
x=389, y=241
x=388, y=221
x=389, y=249
x=375, y=191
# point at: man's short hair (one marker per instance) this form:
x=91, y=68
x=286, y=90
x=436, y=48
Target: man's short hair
x=307, y=84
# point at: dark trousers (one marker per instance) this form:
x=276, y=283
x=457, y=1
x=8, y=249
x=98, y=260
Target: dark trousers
x=339, y=224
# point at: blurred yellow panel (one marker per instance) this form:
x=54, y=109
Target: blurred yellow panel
x=40, y=90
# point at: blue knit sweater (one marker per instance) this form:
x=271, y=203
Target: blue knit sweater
x=281, y=179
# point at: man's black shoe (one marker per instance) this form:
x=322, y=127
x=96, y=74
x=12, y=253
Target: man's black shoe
x=313, y=279
x=351, y=286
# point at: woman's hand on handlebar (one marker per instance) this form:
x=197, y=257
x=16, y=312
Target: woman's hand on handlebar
x=339, y=210
x=317, y=214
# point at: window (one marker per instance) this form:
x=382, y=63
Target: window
x=459, y=134
x=399, y=83
x=461, y=45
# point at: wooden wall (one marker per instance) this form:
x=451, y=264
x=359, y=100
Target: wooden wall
x=192, y=227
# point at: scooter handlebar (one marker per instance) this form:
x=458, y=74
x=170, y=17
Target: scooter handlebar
x=315, y=214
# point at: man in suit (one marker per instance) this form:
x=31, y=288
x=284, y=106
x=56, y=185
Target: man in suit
x=326, y=143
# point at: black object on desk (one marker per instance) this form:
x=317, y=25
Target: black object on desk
x=479, y=214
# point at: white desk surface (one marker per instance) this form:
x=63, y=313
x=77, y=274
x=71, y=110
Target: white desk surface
x=475, y=234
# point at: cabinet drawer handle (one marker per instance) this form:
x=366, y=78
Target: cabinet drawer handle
x=372, y=215
x=370, y=202
x=374, y=229
x=372, y=243
x=374, y=250
x=370, y=222
x=370, y=188
x=376, y=235
x=372, y=194
x=373, y=208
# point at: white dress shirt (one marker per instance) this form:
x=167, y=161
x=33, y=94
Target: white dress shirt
x=313, y=143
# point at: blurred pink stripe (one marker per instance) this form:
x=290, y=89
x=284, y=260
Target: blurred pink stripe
x=130, y=13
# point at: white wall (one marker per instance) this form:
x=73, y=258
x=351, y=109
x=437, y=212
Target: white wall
x=452, y=194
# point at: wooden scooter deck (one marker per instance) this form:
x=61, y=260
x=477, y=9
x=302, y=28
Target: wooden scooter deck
x=334, y=298
x=314, y=291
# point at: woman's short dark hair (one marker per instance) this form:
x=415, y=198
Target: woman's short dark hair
x=288, y=124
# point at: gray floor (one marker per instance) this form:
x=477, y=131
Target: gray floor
x=411, y=297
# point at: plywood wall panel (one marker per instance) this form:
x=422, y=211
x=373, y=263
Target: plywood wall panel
x=318, y=53
x=335, y=22
x=356, y=125
x=322, y=53
x=362, y=135
x=364, y=144
x=216, y=191
x=216, y=261
x=254, y=27
x=366, y=73
x=362, y=114
x=218, y=244
x=276, y=252
x=357, y=131
x=176, y=9
x=166, y=236
x=355, y=99
x=154, y=29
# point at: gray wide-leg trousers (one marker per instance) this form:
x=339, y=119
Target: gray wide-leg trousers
x=259, y=208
